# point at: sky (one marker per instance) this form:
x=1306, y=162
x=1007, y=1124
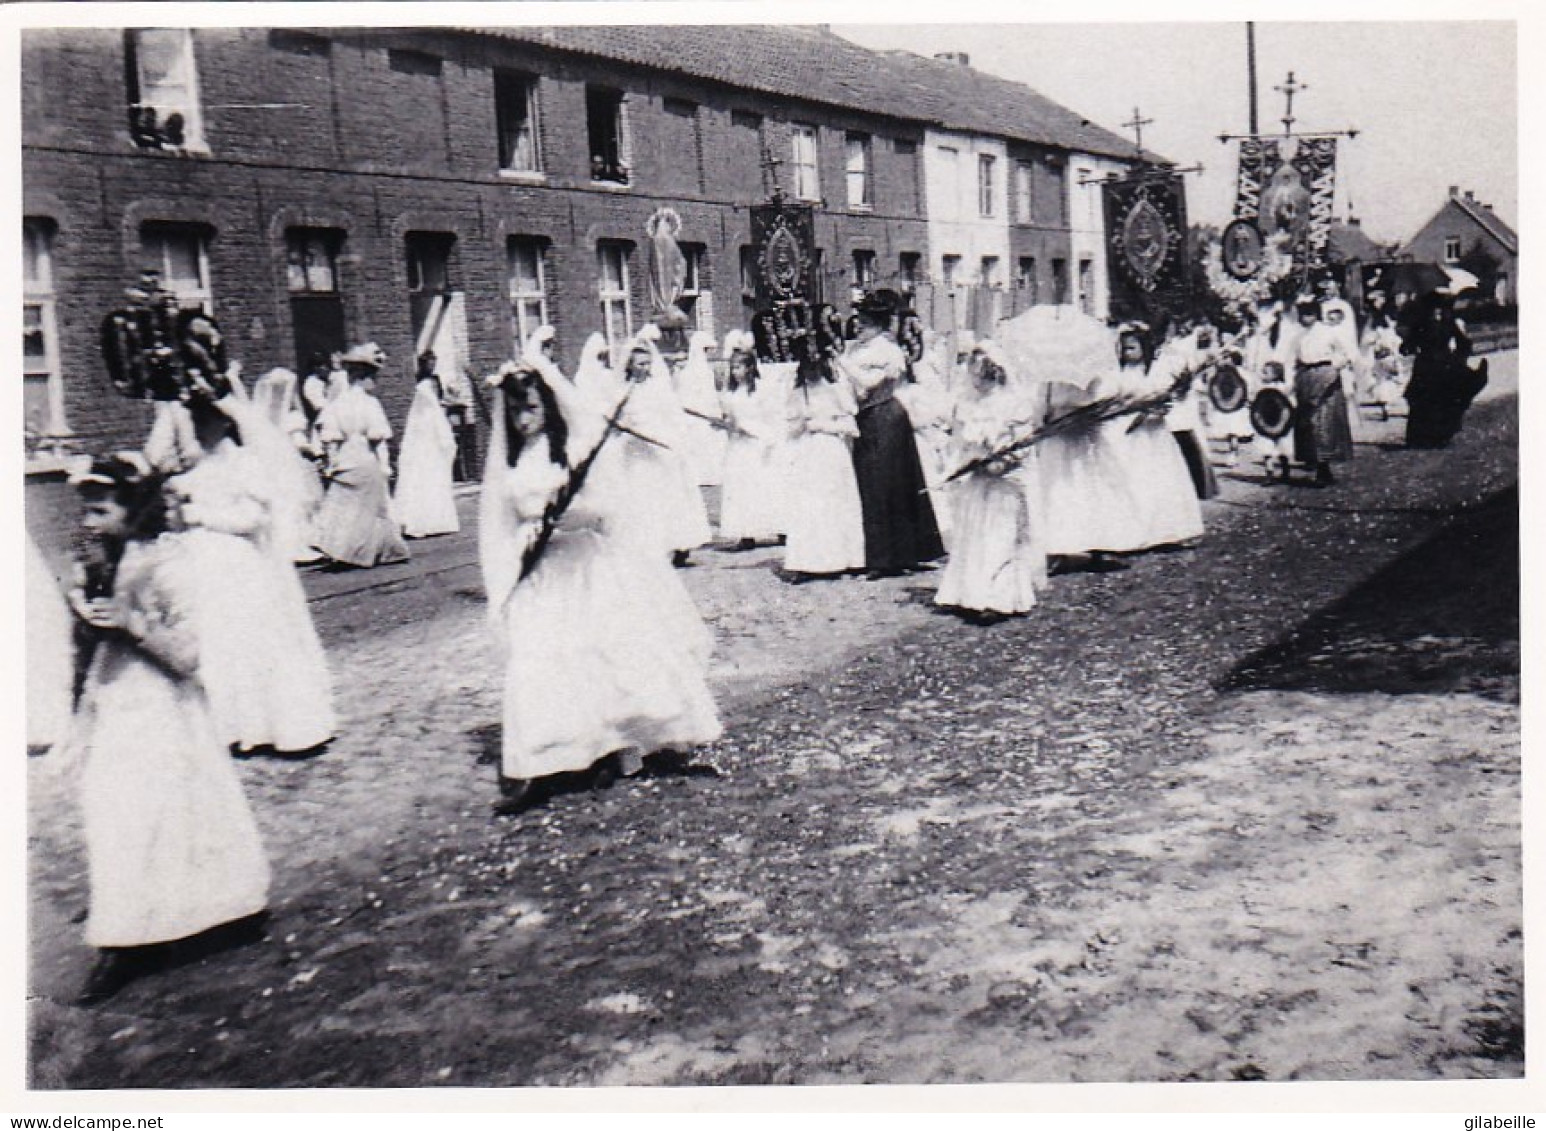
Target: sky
x=1435, y=103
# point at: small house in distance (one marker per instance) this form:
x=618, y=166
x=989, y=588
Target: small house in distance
x=1466, y=233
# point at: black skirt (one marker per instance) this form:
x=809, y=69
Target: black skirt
x=899, y=527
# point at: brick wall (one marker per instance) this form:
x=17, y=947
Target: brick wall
x=336, y=131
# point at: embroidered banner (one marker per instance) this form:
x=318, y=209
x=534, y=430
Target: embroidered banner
x=784, y=248
x=1146, y=246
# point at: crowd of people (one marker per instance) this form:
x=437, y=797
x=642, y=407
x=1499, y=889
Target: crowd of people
x=185, y=635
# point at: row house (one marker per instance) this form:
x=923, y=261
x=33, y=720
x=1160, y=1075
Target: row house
x=453, y=188
x=1017, y=217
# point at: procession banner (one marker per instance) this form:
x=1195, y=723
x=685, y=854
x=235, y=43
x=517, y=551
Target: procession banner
x=1316, y=161
x=1146, y=246
x=784, y=247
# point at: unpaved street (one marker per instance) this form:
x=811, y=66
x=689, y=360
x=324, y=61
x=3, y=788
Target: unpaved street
x=1249, y=811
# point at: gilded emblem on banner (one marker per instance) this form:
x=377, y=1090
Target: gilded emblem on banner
x=782, y=263
x=1146, y=240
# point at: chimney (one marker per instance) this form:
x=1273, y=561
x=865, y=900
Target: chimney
x=1470, y=197
x=1454, y=190
x=959, y=57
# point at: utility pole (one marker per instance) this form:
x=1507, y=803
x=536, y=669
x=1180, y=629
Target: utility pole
x=1250, y=65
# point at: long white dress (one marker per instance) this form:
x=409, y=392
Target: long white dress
x=261, y=662
x=667, y=504
x=274, y=428
x=172, y=845
x=355, y=525
x=752, y=505
x=931, y=407
x=50, y=655
x=425, y=500
x=695, y=388
x=1085, y=487
x=998, y=556
x=603, y=648
x=824, y=519
x=1164, y=500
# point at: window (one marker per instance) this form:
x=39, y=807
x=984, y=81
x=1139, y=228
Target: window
x=1451, y=249
x=515, y=112
x=1060, y=281
x=607, y=128
x=1023, y=202
x=950, y=183
x=989, y=271
x=429, y=262
x=616, y=312
x=316, y=307
x=300, y=43
x=163, y=89
x=697, y=300
x=951, y=267
x=864, y=270
x=1026, y=279
x=856, y=157
x=1087, y=193
x=908, y=264
x=179, y=254
x=1087, y=286
x=42, y=384
x=409, y=62
x=312, y=260
x=807, y=175
x=905, y=147
x=528, y=287
x=985, y=166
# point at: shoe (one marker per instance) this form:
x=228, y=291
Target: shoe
x=516, y=795
x=604, y=774
x=115, y=968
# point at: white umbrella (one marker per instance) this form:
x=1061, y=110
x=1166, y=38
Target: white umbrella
x=1058, y=343
x=1459, y=280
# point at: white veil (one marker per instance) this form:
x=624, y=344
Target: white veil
x=503, y=535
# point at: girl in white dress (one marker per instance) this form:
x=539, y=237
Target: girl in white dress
x=695, y=388
x=605, y=656
x=1164, y=499
x=1090, y=513
x=751, y=508
x=824, y=519
x=668, y=505
x=425, y=499
x=171, y=843
x=260, y=659
x=281, y=433
x=355, y=525
x=998, y=555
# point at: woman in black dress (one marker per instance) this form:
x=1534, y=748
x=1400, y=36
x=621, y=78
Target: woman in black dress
x=900, y=532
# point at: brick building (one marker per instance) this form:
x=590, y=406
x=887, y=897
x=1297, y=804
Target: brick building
x=455, y=187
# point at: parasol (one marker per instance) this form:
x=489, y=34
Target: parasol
x=1457, y=280
x=1058, y=343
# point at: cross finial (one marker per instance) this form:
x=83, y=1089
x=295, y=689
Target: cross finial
x=1136, y=124
x=1290, y=88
